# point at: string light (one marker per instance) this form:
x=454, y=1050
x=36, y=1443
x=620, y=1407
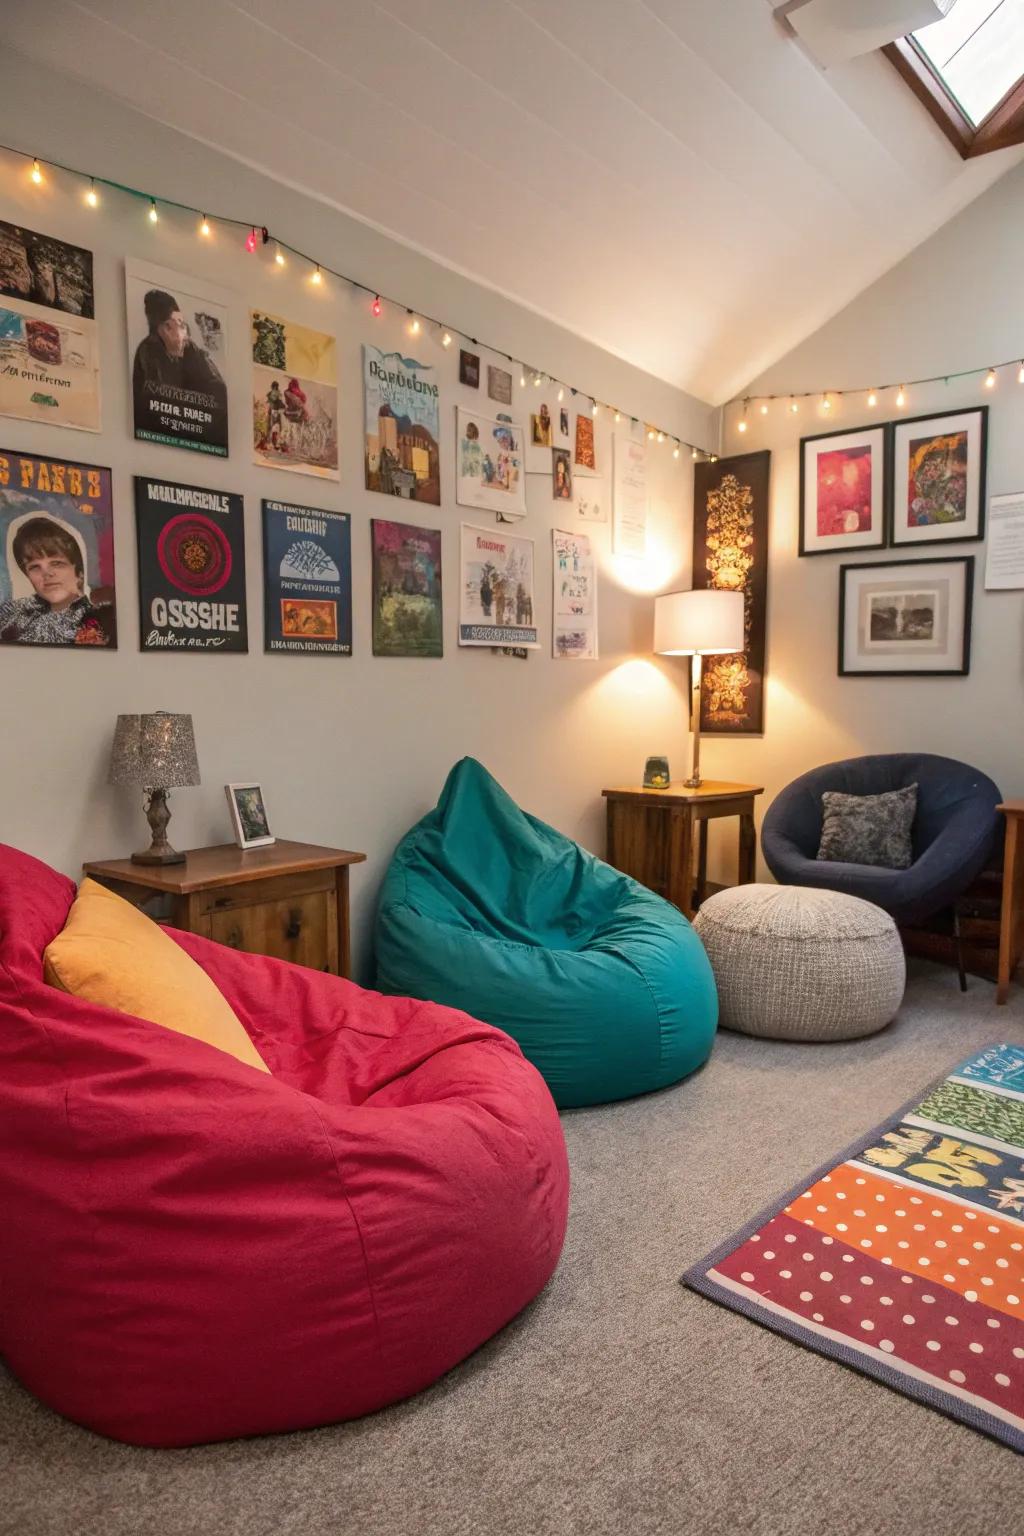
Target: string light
x=37, y=174
x=561, y=396
x=618, y=415
x=536, y=381
x=901, y=398
x=693, y=454
x=251, y=241
x=316, y=276
x=872, y=397
x=92, y=197
x=279, y=257
x=375, y=307
x=794, y=407
x=826, y=402
x=1020, y=374
x=764, y=408
x=446, y=339
x=990, y=379
x=153, y=215
x=650, y=434
x=741, y=425
x=675, y=451
x=661, y=437
x=414, y=323
x=594, y=409
x=204, y=228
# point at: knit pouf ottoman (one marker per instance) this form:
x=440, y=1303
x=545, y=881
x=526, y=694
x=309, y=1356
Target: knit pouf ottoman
x=793, y=963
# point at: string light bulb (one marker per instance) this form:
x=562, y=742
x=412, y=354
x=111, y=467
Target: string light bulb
x=990, y=379
x=316, y=277
x=901, y=396
x=153, y=215
x=693, y=454
x=37, y=174
x=414, y=323
x=375, y=307
x=872, y=397
x=204, y=228
x=92, y=197
x=536, y=381
x=251, y=241
x=1020, y=373
x=618, y=415
x=279, y=257
x=446, y=339
x=661, y=437
x=650, y=434
x=794, y=406
x=764, y=408
x=561, y=394
x=594, y=409
x=675, y=451
x=741, y=425
x=522, y=379
x=826, y=402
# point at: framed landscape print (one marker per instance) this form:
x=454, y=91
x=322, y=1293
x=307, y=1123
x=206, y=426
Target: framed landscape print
x=938, y=477
x=906, y=618
x=842, y=491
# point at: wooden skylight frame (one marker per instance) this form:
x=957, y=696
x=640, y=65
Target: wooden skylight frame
x=1002, y=128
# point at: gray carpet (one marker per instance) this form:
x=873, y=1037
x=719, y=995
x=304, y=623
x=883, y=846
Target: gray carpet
x=619, y=1402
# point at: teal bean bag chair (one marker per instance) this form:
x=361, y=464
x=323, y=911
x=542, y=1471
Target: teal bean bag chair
x=605, y=986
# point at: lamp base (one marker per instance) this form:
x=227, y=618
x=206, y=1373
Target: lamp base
x=159, y=850
x=693, y=782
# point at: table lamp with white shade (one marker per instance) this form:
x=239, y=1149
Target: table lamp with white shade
x=704, y=622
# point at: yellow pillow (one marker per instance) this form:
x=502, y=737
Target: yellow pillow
x=111, y=953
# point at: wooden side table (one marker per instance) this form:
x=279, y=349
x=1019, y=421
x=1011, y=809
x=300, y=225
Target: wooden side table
x=1011, y=917
x=289, y=900
x=650, y=834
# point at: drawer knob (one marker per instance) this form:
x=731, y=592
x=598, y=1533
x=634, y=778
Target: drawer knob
x=294, y=926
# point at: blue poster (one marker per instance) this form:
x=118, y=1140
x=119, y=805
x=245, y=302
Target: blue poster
x=307, y=580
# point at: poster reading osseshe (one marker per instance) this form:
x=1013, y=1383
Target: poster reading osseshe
x=307, y=580
x=178, y=345
x=49, y=347
x=294, y=396
x=57, y=543
x=191, y=545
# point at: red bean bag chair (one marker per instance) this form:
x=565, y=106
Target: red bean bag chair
x=192, y=1250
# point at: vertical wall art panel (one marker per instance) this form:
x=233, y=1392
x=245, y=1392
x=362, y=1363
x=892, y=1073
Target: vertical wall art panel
x=730, y=550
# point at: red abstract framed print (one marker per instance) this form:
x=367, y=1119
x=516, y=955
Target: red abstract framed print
x=842, y=491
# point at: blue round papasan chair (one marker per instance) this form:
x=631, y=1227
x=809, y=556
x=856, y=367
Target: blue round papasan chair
x=604, y=985
x=953, y=834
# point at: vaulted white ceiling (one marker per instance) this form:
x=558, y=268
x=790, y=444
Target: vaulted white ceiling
x=674, y=179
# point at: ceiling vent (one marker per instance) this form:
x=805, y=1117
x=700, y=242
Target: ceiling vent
x=834, y=30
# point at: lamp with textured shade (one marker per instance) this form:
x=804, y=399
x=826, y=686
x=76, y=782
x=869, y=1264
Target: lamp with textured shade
x=158, y=752
x=703, y=622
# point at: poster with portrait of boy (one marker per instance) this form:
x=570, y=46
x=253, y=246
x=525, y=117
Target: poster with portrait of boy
x=56, y=552
x=177, y=347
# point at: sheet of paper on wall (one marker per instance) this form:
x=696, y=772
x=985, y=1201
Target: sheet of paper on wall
x=590, y=498
x=574, y=608
x=1004, y=561
x=629, y=498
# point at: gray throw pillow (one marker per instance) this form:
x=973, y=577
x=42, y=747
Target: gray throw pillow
x=869, y=829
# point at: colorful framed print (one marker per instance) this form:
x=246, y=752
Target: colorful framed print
x=406, y=589
x=178, y=344
x=49, y=342
x=191, y=546
x=906, y=618
x=249, y=815
x=938, y=477
x=842, y=491
x=307, y=580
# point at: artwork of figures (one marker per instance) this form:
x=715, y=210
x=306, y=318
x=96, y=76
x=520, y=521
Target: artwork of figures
x=540, y=427
x=294, y=397
x=191, y=567
x=549, y=428
x=489, y=464
x=402, y=427
x=574, y=609
x=49, y=347
x=496, y=600
x=904, y=618
x=307, y=580
x=938, y=488
x=842, y=491
x=57, y=571
x=406, y=590
x=730, y=551
x=561, y=474
x=177, y=340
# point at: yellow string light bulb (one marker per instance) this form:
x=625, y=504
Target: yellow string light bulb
x=561, y=393
x=414, y=325
x=204, y=228
x=764, y=408
x=693, y=454
x=446, y=339
x=901, y=397
x=872, y=398
x=536, y=381
x=650, y=434
x=1020, y=374
x=741, y=425
x=92, y=197
x=522, y=380
x=618, y=415
x=279, y=257
x=990, y=379
x=153, y=215
x=794, y=407
x=826, y=402
x=37, y=174
x=593, y=409
x=675, y=451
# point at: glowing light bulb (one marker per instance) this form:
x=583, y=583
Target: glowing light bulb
x=204, y=228
x=741, y=425
x=92, y=197
x=694, y=455
x=872, y=398
x=794, y=406
x=618, y=415
x=990, y=379
x=826, y=403
x=713, y=458
x=251, y=241
x=675, y=451
x=561, y=393
x=279, y=257
x=661, y=437
x=764, y=409
x=594, y=409
x=414, y=325
x=901, y=398
x=316, y=277
x=37, y=174
x=446, y=339
x=153, y=215
x=650, y=434
x=536, y=381
x=1020, y=374
x=375, y=306
x=522, y=381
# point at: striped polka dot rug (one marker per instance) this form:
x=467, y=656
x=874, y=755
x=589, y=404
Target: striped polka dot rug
x=904, y=1257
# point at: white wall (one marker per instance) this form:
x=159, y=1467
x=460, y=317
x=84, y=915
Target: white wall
x=958, y=302
x=350, y=751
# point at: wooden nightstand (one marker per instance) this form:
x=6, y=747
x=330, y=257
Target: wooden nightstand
x=289, y=900
x=650, y=835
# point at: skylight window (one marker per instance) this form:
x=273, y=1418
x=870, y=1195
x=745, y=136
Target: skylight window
x=977, y=51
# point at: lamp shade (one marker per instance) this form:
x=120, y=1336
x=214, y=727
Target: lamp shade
x=157, y=751
x=703, y=622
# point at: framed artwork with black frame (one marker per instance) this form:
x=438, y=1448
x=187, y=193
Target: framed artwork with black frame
x=937, y=482
x=843, y=485
x=906, y=618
